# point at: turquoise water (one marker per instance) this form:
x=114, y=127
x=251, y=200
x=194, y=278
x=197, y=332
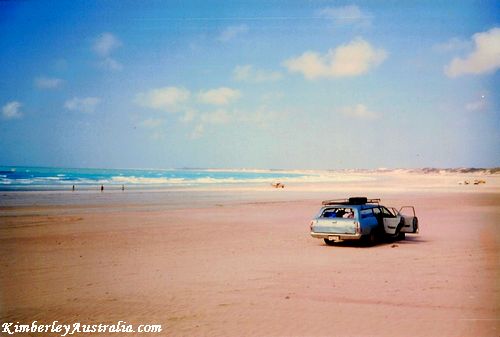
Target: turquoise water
x=33, y=178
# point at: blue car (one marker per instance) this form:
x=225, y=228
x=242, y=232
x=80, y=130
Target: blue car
x=360, y=218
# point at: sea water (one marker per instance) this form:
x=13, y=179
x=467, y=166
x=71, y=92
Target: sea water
x=33, y=178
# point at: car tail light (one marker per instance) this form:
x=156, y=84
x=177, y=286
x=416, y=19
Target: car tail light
x=358, y=228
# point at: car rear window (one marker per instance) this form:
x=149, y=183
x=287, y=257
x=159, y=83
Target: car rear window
x=338, y=212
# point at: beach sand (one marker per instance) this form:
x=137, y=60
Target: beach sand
x=239, y=260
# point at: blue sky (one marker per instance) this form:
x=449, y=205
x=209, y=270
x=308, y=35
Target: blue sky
x=250, y=84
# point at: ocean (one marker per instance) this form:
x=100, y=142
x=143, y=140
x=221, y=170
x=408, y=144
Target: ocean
x=47, y=178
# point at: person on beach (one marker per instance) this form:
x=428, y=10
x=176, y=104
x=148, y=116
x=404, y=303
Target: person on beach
x=102, y=188
x=73, y=188
x=123, y=187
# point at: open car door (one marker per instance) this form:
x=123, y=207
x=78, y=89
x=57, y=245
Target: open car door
x=410, y=220
x=391, y=220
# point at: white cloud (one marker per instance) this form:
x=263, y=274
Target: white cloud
x=208, y=109
x=484, y=59
x=231, y=32
x=189, y=115
x=198, y=131
x=217, y=117
x=480, y=104
x=158, y=135
x=170, y=99
x=12, y=110
x=48, y=82
x=346, y=15
x=153, y=128
x=352, y=59
x=359, y=111
x=247, y=73
x=476, y=106
x=152, y=123
x=454, y=44
x=272, y=96
x=111, y=63
x=263, y=116
x=87, y=104
x=220, y=96
x=105, y=44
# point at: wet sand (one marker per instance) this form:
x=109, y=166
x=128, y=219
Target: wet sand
x=239, y=261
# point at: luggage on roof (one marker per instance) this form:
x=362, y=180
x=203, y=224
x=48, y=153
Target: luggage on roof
x=351, y=201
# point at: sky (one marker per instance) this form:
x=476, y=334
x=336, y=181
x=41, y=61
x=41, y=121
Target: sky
x=250, y=84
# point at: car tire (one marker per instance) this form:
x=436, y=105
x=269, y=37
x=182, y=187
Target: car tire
x=371, y=239
x=401, y=236
x=329, y=242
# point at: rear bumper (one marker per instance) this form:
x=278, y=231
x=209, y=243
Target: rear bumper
x=340, y=236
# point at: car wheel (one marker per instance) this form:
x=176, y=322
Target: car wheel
x=329, y=242
x=401, y=236
x=371, y=239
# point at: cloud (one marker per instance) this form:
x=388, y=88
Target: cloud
x=262, y=116
x=189, y=115
x=111, y=63
x=454, y=44
x=352, y=59
x=87, y=104
x=12, y=110
x=484, y=59
x=208, y=109
x=197, y=131
x=216, y=117
x=480, y=104
x=105, y=44
x=152, y=123
x=231, y=32
x=359, y=111
x=48, y=82
x=346, y=15
x=153, y=128
x=247, y=73
x=220, y=96
x=476, y=106
x=169, y=99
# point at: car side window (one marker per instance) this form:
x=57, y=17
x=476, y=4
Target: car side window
x=387, y=213
x=365, y=213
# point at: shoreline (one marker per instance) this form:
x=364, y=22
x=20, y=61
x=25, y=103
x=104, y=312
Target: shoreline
x=300, y=178
x=343, y=178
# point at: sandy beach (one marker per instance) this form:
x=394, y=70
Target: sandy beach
x=239, y=261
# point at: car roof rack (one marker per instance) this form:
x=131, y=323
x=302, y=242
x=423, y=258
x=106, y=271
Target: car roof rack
x=351, y=201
